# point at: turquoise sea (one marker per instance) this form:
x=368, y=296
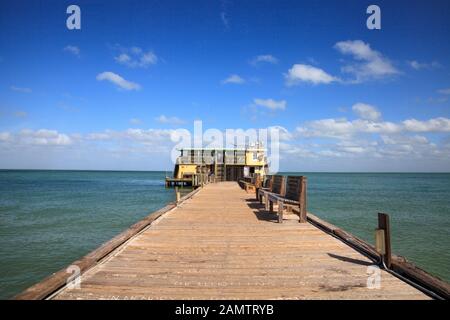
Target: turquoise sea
x=50, y=218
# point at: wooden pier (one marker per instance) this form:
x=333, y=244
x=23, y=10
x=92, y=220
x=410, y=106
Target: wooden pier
x=221, y=244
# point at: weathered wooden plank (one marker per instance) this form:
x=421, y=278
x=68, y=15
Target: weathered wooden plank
x=219, y=245
x=57, y=280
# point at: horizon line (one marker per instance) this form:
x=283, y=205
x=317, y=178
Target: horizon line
x=289, y=171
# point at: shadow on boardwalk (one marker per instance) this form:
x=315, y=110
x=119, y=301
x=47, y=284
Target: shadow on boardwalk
x=260, y=211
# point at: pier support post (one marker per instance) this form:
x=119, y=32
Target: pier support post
x=177, y=195
x=302, y=200
x=383, y=224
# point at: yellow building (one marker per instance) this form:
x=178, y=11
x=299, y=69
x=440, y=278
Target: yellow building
x=219, y=164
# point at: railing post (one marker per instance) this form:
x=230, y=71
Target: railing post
x=258, y=185
x=303, y=200
x=383, y=224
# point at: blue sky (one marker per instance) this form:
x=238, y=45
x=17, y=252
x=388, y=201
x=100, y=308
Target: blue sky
x=108, y=96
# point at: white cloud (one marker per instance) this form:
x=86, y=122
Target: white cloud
x=265, y=58
x=270, y=104
x=99, y=136
x=234, y=79
x=118, y=81
x=351, y=147
x=73, y=50
x=368, y=64
x=169, y=120
x=402, y=139
x=419, y=66
x=158, y=139
x=123, y=58
x=345, y=129
x=366, y=111
x=433, y=125
x=20, y=89
x=444, y=91
x=383, y=149
x=5, y=136
x=135, y=57
x=41, y=137
x=307, y=73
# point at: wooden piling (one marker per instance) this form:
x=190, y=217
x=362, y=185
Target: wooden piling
x=383, y=224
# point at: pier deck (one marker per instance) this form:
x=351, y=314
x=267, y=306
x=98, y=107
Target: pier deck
x=218, y=245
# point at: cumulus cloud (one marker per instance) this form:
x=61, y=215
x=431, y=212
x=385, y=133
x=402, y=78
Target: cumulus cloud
x=169, y=120
x=432, y=125
x=41, y=137
x=345, y=129
x=138, y=140
x=72, y=49
x=265, y=58
x=136, y=57
x=20, y=89
x=367, y=64
x=270, y=104
x=402, y=139
x=307, y=73
x=234, y=79
x=118, y=81
x=355, y=142
x=366, y=111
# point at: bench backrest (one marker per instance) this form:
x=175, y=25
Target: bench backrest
x=278, y=185
x=294, y=187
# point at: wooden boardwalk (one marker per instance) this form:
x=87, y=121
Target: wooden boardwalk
x=221, y=245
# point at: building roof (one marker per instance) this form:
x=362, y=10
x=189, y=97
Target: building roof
x=225, y=149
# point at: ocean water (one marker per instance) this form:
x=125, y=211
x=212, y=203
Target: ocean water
x=48, y=219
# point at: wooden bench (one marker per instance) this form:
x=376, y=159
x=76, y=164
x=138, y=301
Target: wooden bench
x=266, y=185
x=294, y=198
x=277, y=187
x=251, y=184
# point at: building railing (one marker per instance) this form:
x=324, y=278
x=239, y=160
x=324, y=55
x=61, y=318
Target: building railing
x=210, y=160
